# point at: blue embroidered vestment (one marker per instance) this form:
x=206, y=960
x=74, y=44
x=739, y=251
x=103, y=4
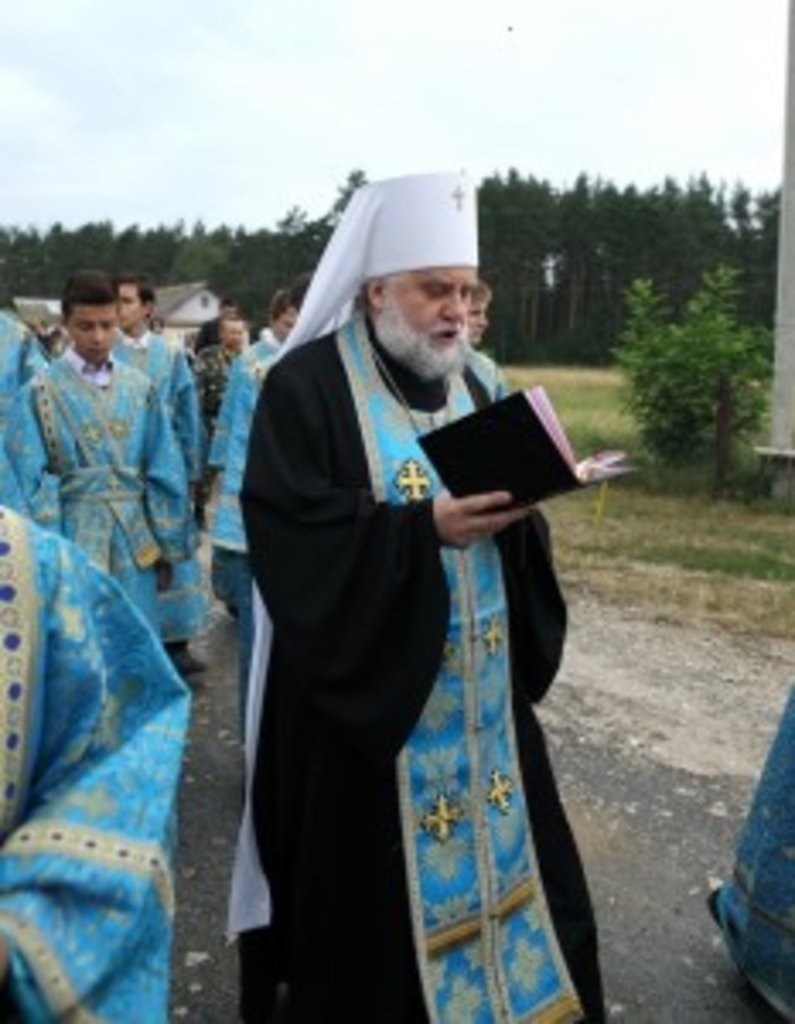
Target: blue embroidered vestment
x=93, y=720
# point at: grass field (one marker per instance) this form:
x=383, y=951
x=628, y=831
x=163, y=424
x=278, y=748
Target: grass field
x=682, y=556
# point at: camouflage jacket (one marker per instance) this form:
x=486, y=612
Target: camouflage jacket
x=212, y=369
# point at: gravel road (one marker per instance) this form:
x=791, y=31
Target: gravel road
x=657, y=732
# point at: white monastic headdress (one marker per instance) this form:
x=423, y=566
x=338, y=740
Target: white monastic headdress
x=388, y=227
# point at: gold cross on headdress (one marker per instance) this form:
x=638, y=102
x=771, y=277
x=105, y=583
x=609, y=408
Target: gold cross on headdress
x=442, y=818
x=459, y=195
x=413, y=482
x=499, y=795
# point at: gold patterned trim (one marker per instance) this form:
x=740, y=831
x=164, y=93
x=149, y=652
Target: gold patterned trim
x=468, y=601
x=413, y=885
x=18, y=666
x=461, y=932
x=440, y=942
x=46, y=417
x=524, y=893
x=96, y=847
x=352, y=340
x=565, y=1009
x=147, y=556
x=46, y=967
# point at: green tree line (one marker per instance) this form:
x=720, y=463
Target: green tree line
x=560, y=260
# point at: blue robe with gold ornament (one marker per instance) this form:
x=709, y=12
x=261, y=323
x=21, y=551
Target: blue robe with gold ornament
x=406, y=815
x=20, y=358
x=101, y=466
x=10, y=492
x=182, y=607
x=258, y=353
x=228, y=451
x=756, y=909
x=93, y=727
x=231, y=572
x=487, y=372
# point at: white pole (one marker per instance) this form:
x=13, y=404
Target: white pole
x=784, y=366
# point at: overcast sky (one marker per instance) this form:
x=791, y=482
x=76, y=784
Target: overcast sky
x=234, y=111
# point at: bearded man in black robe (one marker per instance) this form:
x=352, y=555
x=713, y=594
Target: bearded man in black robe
x=401, y=803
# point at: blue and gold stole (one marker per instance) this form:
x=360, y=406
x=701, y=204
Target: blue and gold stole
x=486, y=947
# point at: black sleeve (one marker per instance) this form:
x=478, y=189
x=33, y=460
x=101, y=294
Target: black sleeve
x=355, y=588
x=536, y=606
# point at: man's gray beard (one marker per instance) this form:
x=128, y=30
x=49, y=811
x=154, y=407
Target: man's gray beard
x=415, y=349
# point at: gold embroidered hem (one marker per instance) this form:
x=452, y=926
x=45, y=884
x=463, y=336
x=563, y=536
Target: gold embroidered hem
x=47, y=969
x=19, y=632
x=94, y=846
x=565, y=1010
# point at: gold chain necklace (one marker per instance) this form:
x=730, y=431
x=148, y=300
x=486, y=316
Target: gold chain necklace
x=398, y=394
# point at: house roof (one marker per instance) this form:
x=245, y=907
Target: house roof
x=38, y=310
x=172, y=296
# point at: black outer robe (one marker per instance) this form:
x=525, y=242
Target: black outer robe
x=359, y=602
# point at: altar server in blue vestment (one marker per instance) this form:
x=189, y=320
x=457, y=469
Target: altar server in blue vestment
x=404, y=856
x=231, y=573
x=93, y=719
x=94, y=453
x=20, y=357
x=756, y=909
x=182, y=607
x=482, y=365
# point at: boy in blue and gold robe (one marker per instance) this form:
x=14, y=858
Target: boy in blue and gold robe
x=94, y=454
x=231, y=573
x=93, y=726
x=182, y=607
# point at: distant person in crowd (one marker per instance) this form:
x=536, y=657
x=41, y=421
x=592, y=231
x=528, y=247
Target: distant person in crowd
x=157, y=325
x=182, y=606
x=756, y=909
x=189, y=347
x=209, y=332
x=282, y=314
x=281, y=317
x=478, y=316
x=297, y=291
x=95, y=455
x=404, y=854
x=212, y=368
x=214, y=364
x=93, y=730
x=231, y=573
x=477, y=324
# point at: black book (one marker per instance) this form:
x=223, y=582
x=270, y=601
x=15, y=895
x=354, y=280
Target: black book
x=517, y=444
